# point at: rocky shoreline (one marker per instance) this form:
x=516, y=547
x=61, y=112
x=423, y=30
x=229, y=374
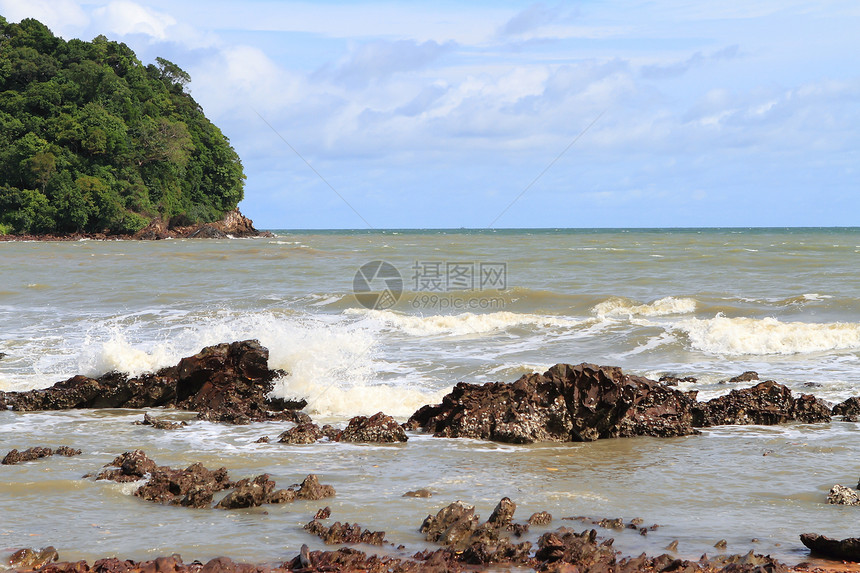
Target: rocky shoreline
x=230, y=383
x=233, y=225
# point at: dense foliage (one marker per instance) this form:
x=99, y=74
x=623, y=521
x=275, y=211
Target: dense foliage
x=92, y=140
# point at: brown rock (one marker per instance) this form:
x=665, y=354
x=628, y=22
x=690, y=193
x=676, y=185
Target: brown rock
x=377, y=428
x=160, y=424
x=849, y=409
x=307, y=433
x=339, y=533
x=248, y=493
x=566, y=403
x=312, y=489
x=540, y=518
x=128, y=467
x=766, y=403
x=452, y=525
x=841, y=495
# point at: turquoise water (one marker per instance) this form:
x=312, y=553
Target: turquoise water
x=710, y=303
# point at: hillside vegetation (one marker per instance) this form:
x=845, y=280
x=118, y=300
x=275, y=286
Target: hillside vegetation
x=94, y=141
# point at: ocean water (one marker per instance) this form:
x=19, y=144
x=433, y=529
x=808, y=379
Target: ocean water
x=460, y=305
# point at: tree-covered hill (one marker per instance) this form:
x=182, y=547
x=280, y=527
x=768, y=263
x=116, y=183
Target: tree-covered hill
x=92, y=140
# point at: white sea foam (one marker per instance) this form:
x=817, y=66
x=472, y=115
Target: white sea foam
x=747, y=336
x=465, y=323
x=617, y=307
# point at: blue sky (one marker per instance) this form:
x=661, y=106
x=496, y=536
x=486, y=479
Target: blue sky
x=442, y=114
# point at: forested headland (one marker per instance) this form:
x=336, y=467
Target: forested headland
x=94, y=141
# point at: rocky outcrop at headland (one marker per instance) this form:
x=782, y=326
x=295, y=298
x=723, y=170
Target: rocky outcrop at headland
x=567, y=403
x=234, y=224
x=223, y=383
x=588, y=402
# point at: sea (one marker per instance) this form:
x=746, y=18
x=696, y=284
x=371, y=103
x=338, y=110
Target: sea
x=391, y=320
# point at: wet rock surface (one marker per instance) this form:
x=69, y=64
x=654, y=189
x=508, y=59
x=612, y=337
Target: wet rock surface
x=842, y=549
x=379, y=428
x=307, y=433
x=849, y=409
x=223, y=383
x=344, y=533
x=196, y=485
x=567, y=403
x=15, y=457
x=766, y=403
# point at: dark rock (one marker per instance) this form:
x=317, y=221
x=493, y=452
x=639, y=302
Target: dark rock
x=281, y=404
x=669, y=380
x=128, y=467
x=223, y=383
x=160, y=424
x=844, y=549
x=67, y=451
x=747, y=376
x=281, y=496
x=569, y=547
x=540, y=518
x=312, y=489
x=841, y=495
x=339, y=533
x=566, y=403
x=194, y=486
x=323, y=513
x=330, y=432
x=418, y=493
x=262, y=440
x=721, y=544
x=452, y=525
x=377, y=428
x=28, y=455
x=301, y=434
x=849, y=409
x=248, y=493
x=766, y=403
x=208, y=232
x=503, y=514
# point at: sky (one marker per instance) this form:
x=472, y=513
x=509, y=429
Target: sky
x=506, y=114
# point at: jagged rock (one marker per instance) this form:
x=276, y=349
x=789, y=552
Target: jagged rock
x=330, y=432
x=418, y=493
x=312, y=489
x=540, y=518
x=503, y=514
x=248, y=493
x=377, y=428
x=281, y=496
x=567, y=546
x=159, y=424
x=339, y=533
x=30, y=454
x=766, y=403
x=452, y=525
x=844, y=549
x=841, y=495
x=128, y=467
x=323, y=513
x=308, y=433
x=566, y=403
x=223, y=383
x=194, y=486
x=849, y=409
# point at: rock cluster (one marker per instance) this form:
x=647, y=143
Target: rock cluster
x=588, y=402
x=224, y=383
x=196, y=485
x=379, y=428
x=30, y=454
x=234, y=224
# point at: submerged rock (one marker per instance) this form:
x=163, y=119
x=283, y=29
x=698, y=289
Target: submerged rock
x=766, y=403
x=842, y=549
x=30, y=454
x=307, y=433
x=377, y=428
x=312, y=489
x=223, y=383
x=28, y=559
x=159, y=424
x=339, y=533
x=567, y=403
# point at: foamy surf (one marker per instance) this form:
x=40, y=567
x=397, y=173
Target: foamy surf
x=465, y=323
x=747, y=336
x=619, y=307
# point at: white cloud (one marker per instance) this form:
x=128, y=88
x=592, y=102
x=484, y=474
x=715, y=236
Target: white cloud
x=64, y=17
x=124, y=17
